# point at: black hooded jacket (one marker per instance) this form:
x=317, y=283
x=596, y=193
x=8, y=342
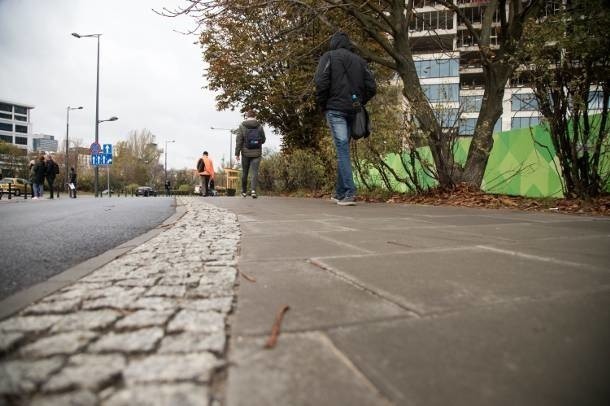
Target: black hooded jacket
x=333, y=87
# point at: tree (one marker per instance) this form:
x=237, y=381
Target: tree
x=567, y=63
x=386, y=25
x=137, y=159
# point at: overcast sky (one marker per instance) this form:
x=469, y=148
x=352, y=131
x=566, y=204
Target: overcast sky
x=151, y=77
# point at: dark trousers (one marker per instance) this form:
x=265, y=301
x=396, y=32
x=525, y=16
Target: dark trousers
x=205, y=184
x=248, y=164
x=50, y=182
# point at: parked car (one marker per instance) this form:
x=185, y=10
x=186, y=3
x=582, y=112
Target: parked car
x=146, y=191
x=18, y=185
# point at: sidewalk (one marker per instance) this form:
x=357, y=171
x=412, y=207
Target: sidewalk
x=389, y=305
x=419, y=305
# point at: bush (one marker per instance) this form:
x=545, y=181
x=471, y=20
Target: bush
x=301, y=170
x=185, y=188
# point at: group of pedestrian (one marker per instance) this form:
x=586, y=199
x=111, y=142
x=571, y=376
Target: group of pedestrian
x=42, y=170
x=46, y=169
x=344, y=83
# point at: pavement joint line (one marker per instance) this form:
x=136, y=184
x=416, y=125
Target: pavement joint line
x=382, y=294
x=338, y=242
x=538, y=258
x=353, y=367
x=402, y=252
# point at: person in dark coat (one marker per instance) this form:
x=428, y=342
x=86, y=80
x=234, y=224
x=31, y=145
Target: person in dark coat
x=343, y=83
x=249, y=144
x=72, y=185
x=39, y=172
x=51, y=172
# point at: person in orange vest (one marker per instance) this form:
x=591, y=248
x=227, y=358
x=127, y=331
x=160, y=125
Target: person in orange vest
x=205, y=169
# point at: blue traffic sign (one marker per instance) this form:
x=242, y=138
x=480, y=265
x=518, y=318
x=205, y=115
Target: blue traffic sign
x=95, y=148
x=101, y=159
x=107, y=148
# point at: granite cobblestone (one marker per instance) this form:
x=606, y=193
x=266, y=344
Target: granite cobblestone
x=146, y=328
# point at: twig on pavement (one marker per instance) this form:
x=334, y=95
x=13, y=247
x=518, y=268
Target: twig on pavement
x=247, y=277
x=275, y=330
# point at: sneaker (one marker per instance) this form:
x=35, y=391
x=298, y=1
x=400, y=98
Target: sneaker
x=253, y=194
x=243, y=194
x=347, y=201
x=335, y=199
x=34, y=198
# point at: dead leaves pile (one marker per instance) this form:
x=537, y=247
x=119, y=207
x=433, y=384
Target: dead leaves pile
x=468, y=197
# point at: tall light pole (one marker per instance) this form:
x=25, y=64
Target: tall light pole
x=165, y=153
x=97, y=99
x=67, y=133
x=230, y=143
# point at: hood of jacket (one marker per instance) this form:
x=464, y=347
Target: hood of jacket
x=340, y=40
x=251, y=123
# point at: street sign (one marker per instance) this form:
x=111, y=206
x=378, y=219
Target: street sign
x=95, y=148
x=101, y=159
x=107, y=148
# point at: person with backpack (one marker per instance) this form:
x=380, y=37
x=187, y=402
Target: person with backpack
x=51, y=172
x=249, y=144
x=344, y=83
x=205, y=169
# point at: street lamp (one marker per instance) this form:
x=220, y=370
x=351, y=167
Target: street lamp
x=97, y=98
x=67, y=134
x=165, y=153
x=113, y=118
x=230, y=143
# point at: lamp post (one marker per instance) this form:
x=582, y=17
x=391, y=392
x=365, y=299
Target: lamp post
x=165, y=153
x=67, y=134
x=230, y=143
x=97, y=99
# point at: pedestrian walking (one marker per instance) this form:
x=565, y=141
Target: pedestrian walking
x=249, y=144
x=343, y=83
x=52, y=170
x=39, y=171
x=72, y=184
x=205, y=168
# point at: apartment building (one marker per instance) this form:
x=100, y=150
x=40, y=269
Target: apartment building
x=15, y=124
x=450, y=72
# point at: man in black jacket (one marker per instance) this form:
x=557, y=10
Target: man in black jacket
x=249, y=144
x=343, y=82
x=52, y=169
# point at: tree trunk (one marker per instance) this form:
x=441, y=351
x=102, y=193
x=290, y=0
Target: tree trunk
x=497, y=75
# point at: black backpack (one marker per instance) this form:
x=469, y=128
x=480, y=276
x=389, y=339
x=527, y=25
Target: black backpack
x=200, y=165
x=253, y=138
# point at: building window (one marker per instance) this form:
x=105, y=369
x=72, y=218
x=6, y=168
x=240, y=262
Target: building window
x=436, y=68
x=596, y=100
x=442, y=92
x=21, y=110
x=523, y=122
x=446, y=117
x=6, y=115
x=21, y=129
x=20, y=118
x=432, y=21
x=6, y=138
x=523, y=102
x=471, y=104
x=21, y=140
x=6, y=127
x=467, y=126
x=6, y=107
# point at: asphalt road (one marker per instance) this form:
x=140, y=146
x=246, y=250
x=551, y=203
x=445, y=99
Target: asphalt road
x=39, y=239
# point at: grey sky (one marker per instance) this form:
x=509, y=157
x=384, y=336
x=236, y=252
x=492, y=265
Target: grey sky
x=150, y=76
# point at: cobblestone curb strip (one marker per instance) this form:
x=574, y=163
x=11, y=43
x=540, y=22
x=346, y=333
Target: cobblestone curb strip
x=147, y=328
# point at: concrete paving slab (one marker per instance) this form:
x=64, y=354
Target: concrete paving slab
x=531, y=353
x=303, y=369
x=592, y=251
x=293, y=246
x=317, y=299
x=429, y=281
